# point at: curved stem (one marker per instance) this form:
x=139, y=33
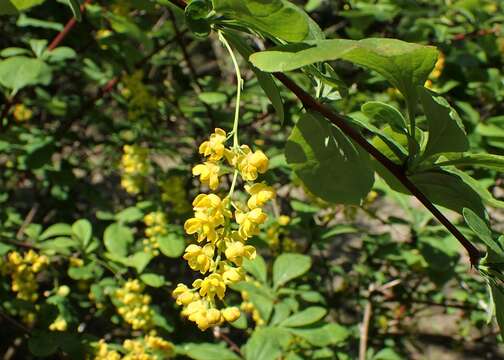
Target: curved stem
x=238, y=89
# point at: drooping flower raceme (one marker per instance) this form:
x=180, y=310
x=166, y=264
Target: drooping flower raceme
x=135, y=166
x=221, y=227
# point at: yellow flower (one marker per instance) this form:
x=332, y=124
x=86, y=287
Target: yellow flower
x=200, y=258
x=199, y=313
x=231, y=314
x=249, y=222
x=283, y=220
x=134, y=306
x=183, y=295
x=103, y=352
x=236, y=251
x=251, y=163
x=22, y=113
x=59, y=324
x=214, y=147
x=260, y=194
x=208, y=173
x=210, y=212
x=210, y=286
x=232, y=275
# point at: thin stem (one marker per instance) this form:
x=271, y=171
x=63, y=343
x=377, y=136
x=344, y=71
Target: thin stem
x=238, y=89
x=236, y=144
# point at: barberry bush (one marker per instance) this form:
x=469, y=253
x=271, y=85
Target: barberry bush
x=251, y=179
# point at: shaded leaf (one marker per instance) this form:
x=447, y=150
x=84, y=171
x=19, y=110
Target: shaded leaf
x=330, y=165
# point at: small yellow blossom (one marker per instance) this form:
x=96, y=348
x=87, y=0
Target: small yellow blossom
x=231, y=275
x=200, y=258
x=214, y=147
x=251, y=163
x=249, y=222
x=103, y=353
x=283, y=220
x=231, y=314
x=210, y=286
x=183, y=295
x=208, y=173
x=22, y=113
x=236, y=251
x=210, y=213
x=59, y=324
x=260, y=195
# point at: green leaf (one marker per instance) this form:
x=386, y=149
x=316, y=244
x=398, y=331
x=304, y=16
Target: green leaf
x=206, y=351
x=212, y=97
x=260, y=296
x=24, y=21
x=266, y=344
x=171, y=245
x=61, y=245
x=448, y=190
x=305, y=317
x=153, y=280
x=289, y=266
x=75, y=7
x=11, y=7
x=329, y=334
x=60, y=54
x=196, y=13
x=129, y=215
x=274, y=17
x=478, y=160
x=445, y=127
x=86, y=272
x=481, y=229
x=5, y=248
x=42, y=344
x=139, y=261
x=498, y=300
x=478, y=187
x=265, y=80
x=330, y=165
x=59, y=229
x=82, y=231
x=385, y=114
x=404, y=65
x=19, y=71
x=116, y=238
x=14, y=51
x=256, y=267
x=387, y=354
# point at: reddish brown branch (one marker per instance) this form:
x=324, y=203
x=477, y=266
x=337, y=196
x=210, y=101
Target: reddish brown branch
x=63, y=33
x=339, y=120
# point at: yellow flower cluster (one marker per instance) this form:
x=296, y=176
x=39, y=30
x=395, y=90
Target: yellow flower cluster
x=156, y=226
x=103, y=352
x=173, y=191
x=23, y=270
x=135, y=166
x=59, y=324
x=220, y=233
x=22, y=113
x=277, y=236
x=151, y=347
x=249, y=308
x=134, y=307
x=141, y=102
